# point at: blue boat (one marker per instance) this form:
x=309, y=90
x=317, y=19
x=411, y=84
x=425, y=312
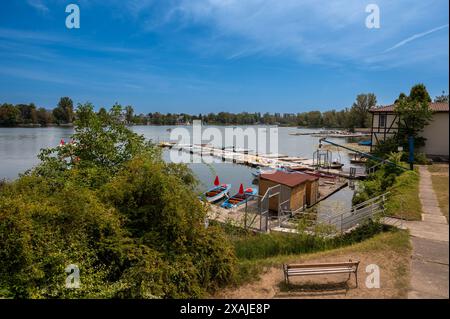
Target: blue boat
x=365, y=143
x=240, y=198
x=217, y=193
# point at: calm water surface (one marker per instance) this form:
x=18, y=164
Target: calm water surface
x=19, y=148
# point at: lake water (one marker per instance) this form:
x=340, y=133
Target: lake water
x=20, y=146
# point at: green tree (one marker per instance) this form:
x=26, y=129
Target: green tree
x=63, y=113
x=414, y=113
x=9, y=115
x=43, y=116
x=129, y=114
x=419, y=93
x=27, y=113
x=360, y=109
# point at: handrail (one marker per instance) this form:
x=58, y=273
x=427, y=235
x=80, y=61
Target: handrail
x=356, y=207
x=363, y=153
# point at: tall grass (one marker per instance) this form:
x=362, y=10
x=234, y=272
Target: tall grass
x=260, y=246
x=404, y=201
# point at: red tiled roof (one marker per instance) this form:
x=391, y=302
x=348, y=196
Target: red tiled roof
x=288, y=179
x=436, y=107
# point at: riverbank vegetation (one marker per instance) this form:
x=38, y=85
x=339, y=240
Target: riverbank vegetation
x=107, y=203
x=401, y=184
x=130, y=222
x=356, y=116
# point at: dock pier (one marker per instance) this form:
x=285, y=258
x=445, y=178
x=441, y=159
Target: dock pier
x=249, y=158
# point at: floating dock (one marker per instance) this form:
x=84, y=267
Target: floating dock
x=252, y=159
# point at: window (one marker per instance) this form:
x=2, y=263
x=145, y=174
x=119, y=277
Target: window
x=382, y=120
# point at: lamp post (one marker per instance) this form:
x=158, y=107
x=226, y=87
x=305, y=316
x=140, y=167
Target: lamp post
x=411, y=151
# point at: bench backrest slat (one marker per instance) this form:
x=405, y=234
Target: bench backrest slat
x=321, y=265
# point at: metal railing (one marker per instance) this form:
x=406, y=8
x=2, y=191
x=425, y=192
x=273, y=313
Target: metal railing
x=358, y=213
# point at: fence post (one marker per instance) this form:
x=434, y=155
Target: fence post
x=245, y=216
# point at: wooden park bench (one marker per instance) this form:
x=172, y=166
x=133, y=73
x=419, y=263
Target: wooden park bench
x=321, y=269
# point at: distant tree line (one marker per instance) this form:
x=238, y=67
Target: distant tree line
x=29, y=114
x=356, y=116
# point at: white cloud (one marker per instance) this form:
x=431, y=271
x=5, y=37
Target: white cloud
x=38, y=5
x=415, y=37
x=313, y=31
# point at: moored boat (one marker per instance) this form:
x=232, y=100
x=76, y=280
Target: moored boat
x=218, y=192
x=266, y=170
x=240, y=198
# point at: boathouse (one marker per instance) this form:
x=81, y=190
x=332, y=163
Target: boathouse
x=302, y=189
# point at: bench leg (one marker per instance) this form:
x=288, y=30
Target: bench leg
x=356, y=277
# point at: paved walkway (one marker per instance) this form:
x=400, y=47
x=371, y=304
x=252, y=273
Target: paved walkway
x=429, y=238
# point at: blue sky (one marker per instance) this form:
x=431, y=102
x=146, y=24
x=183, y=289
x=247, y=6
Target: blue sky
x=230, y=55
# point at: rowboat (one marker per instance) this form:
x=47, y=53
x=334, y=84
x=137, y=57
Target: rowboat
x=365, y=143
x=240, y=198
x=217, y=193
x=267, y=170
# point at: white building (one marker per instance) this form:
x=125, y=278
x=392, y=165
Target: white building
x=385, y=124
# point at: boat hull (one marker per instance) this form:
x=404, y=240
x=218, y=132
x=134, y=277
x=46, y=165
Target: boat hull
x=219, y=193
x=239, y=199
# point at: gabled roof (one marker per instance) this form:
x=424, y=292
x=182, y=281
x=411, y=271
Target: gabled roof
x=288, y=179
x=436, y=107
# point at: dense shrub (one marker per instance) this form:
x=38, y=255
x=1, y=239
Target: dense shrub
x=108, y=204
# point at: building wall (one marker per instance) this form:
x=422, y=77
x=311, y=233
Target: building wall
x=297, y=194
x=436, y=133
x=312, y=192
x=380, y=133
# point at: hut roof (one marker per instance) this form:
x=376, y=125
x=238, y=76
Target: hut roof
x=288, y=179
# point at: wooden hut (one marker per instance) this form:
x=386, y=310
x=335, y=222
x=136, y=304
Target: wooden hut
x=303, y=189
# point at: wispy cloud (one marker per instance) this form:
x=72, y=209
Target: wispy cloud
x=415, y=37
x=38, y=5
x=43, y=38
x=309, y=31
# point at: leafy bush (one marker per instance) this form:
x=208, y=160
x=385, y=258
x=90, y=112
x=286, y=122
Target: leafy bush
x=109, y=204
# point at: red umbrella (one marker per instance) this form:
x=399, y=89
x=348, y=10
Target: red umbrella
x=61, y=142
x=216, y=181
x=241, y=189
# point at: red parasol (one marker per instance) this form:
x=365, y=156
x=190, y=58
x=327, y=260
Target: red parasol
x=61, y=142
x=216, y=181
x=241, y=189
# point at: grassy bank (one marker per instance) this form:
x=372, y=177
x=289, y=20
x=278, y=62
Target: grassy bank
x=404, y=199
x=390, y=250
x=439, y=178
x=256, y=251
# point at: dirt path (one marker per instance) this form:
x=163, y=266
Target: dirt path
x=429, y=238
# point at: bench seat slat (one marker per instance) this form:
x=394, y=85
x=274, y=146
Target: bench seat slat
x=322, y=269
x=320, y=272
x=319, y=265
